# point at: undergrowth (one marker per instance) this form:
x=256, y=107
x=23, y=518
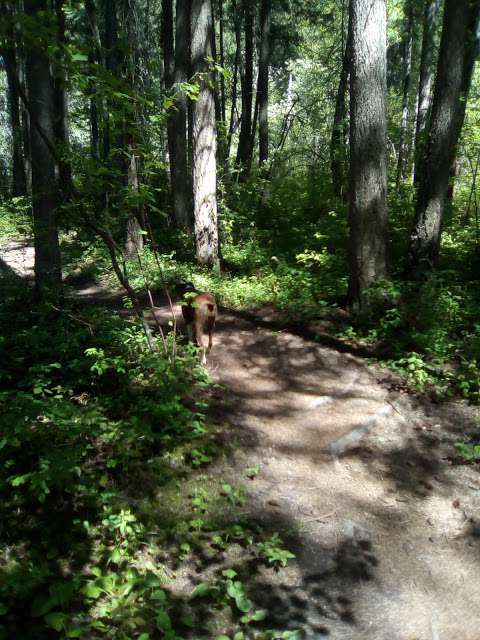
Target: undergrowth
x=104, y=485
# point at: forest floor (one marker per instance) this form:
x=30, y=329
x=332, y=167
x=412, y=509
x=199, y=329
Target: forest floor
x=359, y=477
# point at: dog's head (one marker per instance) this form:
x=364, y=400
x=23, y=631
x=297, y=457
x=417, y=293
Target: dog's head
x=184, y=287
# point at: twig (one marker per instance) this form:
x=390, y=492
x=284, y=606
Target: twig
x=70, y=315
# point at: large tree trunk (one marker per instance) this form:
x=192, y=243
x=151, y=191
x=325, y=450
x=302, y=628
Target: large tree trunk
x=458, y=50
x=41, y=96
x=407, y=74
x=176, y=66
x=425, y=81
x=368, y=164
x=262, y=87
x=204, y=139
x=244, y=141
x=338, y=140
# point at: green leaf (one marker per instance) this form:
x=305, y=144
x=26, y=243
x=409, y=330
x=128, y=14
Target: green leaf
x=163, y=621
x=3, y=609
x=201, y=589
x=259, y=614
x=243, y=603
x=56, y=620
x=75, y=633
x=91, y=590
x=229, y=573
x=144, y=636
x=41, y=605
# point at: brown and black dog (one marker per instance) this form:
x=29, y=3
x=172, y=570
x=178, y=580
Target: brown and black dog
x=199, y=311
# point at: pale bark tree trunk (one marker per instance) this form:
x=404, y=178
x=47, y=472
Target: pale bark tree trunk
x=338, y=154
x=368, y=158
x=204, y=139
x=134, y=242
x=262, y=86
x=425, y=81
x=459, y=47
x=41, y=96
x=407, y=74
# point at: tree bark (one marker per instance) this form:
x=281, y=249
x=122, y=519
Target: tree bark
x=9, y=53
x=368, y=165
x=407, y=74
x=246, y=74
x=41, y=96
x=236, y=68
x=459, y=47
x=19, y=179
x=425, y=81
x=204, y=139
x=338, y=141
x=61, y=106
x=262, y=86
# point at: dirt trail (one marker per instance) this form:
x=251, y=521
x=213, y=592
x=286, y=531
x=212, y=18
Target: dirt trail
x=386, y=530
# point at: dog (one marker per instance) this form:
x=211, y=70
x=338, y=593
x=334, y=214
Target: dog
x=199, y=311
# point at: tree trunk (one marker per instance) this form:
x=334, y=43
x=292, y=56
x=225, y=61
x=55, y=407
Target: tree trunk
x=60, y=106
x=94, y=57
x=204, y=139
x=41, y=95
x=134, y=243
x=8, y=51
x=182, y=186
x=238, y=54
x=407, y=71
x=425, y=81
x=262, y=86
x=246, y=73
x=459, y=47
x=338, y=140
x=19, y=180
x=368, y=158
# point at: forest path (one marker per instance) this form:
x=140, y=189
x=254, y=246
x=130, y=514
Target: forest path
x=357, y=477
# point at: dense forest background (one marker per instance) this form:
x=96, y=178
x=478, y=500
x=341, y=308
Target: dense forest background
x=316, y=158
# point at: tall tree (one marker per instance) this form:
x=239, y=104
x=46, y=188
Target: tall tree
x=459, y=48
x=176, y=70
x=368, y=165
x=41, y=94
x=9, y=53
x=60, y=101
x=204, y=138
x=425, y=81
x=262, y=86
x=338, y=138
x=246, y=76
x=407, y=75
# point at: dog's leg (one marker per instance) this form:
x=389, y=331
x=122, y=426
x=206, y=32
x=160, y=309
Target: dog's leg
x=199, y=322
x=190, y=331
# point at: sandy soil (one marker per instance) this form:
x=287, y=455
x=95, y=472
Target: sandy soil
x=357, y=476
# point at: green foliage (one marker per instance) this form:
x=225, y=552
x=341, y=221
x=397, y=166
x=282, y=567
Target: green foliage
x=274, y=552
x=15, y=217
